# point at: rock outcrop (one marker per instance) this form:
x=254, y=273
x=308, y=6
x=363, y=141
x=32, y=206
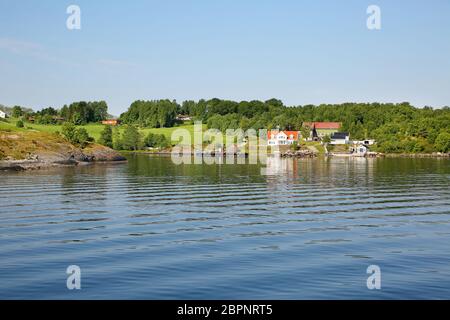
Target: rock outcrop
x=36, y=150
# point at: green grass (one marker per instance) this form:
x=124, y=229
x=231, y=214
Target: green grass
x=94, y=130
x=168, y=131
x=9, y=126
x=314, y=144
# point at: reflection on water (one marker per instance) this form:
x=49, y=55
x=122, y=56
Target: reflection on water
x=308, y=228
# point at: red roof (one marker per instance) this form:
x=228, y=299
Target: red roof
x=323, y=125
x=287, y=133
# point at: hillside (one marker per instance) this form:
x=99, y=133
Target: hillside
x=21, y=150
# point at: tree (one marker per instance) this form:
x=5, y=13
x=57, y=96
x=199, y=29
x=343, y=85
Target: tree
x=117, y=139
x=69, y=131
x=131, y=138
x=326, y=139
x=442, y=143
x=156, y=140
x=159, y=113
x=16, y=112
x=106, y=137
x=305, y=132
x=82, y=137
x=76, y=135
x=83, y=112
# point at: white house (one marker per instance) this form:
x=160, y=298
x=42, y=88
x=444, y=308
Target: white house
x=280, y=138
x=340, y=138
x=2, y=114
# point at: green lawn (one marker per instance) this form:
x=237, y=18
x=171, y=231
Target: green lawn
x=317, y=145
x=94, y=130
x=8, y=126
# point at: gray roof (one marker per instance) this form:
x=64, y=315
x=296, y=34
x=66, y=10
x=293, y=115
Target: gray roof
x=340, y=135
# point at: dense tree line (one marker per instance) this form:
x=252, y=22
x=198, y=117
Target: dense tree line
x=78, y=113
x=83, y=112
x=153, y=114
x=396, y=127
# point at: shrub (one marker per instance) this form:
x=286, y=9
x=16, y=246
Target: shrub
x=156, y=141
x=82, y=137
x=117, y=139
x=106, y=137
x=19, y=124
x=69, y=131
x=76, y=135
x=131, y=138
x=442, y=143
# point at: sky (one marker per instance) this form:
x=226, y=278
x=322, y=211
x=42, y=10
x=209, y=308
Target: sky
x=302, y=52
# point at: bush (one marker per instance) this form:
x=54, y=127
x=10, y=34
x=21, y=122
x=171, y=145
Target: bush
x=294, y=146
x=106, y=137
x=442, y=143
x=156, y=141
x=69, y=131
x=82, y=137
x=326, y=139
x=117, y=139
x=19, y=124
x=76, y=135
x=131, y=138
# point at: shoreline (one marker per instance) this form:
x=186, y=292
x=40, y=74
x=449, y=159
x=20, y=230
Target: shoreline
x=32, y=165
x=347, y=155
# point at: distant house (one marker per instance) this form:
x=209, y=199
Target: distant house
x=340, y=138
x=111, y=122
x=280, y=138
x=322, y=129
x=2, y=114
x=182, y=117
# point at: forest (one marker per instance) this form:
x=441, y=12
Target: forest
x=78, y=113
x=397, y=127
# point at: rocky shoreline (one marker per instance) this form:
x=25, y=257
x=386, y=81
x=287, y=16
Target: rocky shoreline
x=36, y=162
x=33, y=151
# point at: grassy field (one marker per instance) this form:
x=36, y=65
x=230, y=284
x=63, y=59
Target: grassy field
x=316, y=145
x=94, y=130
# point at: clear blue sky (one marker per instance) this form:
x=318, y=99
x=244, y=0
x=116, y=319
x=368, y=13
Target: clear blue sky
x=299, y=51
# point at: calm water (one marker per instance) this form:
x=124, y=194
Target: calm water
x=150, y=229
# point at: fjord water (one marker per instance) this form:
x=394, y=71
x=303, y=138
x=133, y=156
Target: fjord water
x=149, y=229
